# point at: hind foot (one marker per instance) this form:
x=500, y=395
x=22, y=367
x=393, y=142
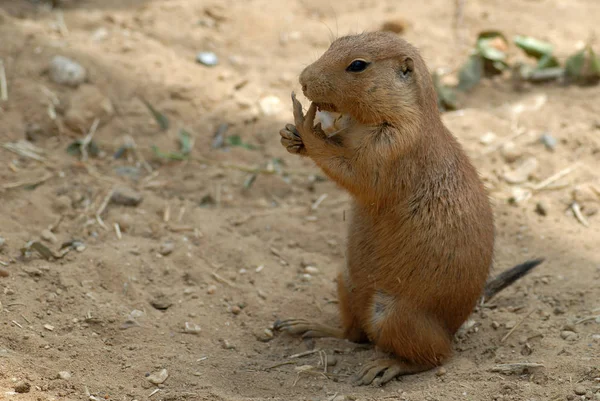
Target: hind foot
x=307, y=329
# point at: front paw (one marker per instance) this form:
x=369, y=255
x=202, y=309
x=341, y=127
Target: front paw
x=291, y=140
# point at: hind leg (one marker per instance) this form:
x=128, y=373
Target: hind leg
x=417, y=340
x=351, y=329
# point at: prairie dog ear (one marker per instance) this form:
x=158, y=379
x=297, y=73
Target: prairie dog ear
x=407, y=66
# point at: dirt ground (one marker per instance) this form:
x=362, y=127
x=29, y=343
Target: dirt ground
x=209, y=259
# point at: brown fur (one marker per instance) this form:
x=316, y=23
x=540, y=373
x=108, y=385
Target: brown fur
x=421, y=234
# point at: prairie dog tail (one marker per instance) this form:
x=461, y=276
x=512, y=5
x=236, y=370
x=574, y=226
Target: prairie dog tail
x=507, y=277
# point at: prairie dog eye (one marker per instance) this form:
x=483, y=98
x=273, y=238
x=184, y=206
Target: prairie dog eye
x=357, y=65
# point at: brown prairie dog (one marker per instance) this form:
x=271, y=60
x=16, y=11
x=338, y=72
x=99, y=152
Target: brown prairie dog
x=421, y=234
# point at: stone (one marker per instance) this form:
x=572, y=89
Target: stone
x=65, y=71
x=208, y=59
x=126, y=196
x=88, y=103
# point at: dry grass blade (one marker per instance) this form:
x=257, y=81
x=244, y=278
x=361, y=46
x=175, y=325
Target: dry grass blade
x=516, y=326
x=578, y=215
x=88, y=139
x=3, y=83
x=305, y=353
x=26, y=149
x=28, y=183
x=515, y=367
x=555, y=177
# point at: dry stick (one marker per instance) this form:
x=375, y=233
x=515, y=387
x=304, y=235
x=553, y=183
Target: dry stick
x=318, y=202
x=516, y=325
x=3, y=84
x=305, y=353
x=87, y=139
x=118, y=231
x=102, y=207
x=556, y=177
x=62, y=27
x=280, y=364
x=587, y=319
x=512, y=367
x=578, y=215
x=167, y=213
x=459, y=8
x=13, y=185
x=520, y=131
x=222, y=280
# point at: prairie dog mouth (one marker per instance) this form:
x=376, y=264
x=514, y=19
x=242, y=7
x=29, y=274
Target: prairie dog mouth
x=326, y=107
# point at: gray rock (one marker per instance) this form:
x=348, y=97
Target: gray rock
x=65, y=71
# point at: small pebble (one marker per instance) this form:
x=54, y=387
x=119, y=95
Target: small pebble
x=510, y=152
x=568, y=335
x=441, y=371
x=495, y=325
x=211, y=289
x=125, y=221
x=306, y=277
x=580, y=390
x=596, y=337
x=396, y=25
x=510, y=324
x=191, y=328
x=126, y=197
x=332, y=360
x=265, y=335
x=158, y=377
x=549, y=141
x=166, y=248
x=65, y=71
x=236, y=310
x=541, y=208
x=270, y=105
x=49, y=236
x=209, y=59
x=311, y=270
x=161, y=302
x=64, y=375
x=22, y=387
x=61, y=203
x=262, y=294
x=227, y=345
x=49, y=327
x=488, y=138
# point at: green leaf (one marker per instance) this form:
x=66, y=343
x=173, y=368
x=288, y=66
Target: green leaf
x=236, y=140
x=533, y=47
x=547, y=61
x=74, y=148
x=594, y=63
x=574, y=64
x=169, y=155
x=446, y=95
x=486, y=45
x=471, y=72
x=185, y=141
x=161, y=119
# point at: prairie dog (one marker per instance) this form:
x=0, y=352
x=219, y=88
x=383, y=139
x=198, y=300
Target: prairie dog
x=421, y=233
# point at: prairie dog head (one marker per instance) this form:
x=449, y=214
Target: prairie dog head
x=374, y=77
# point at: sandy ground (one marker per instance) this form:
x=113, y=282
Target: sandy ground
x=202, y=249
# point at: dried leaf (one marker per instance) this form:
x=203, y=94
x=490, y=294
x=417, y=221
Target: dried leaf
x=161, y=119
x=471, y=73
